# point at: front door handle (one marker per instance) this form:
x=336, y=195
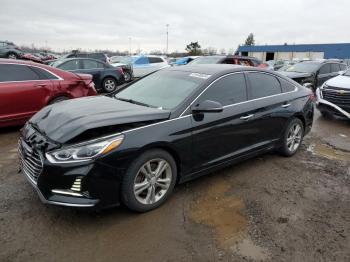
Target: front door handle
x=246, y=117
x=285, y=105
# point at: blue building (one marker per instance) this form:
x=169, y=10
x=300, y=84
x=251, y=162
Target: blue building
x=290, y=52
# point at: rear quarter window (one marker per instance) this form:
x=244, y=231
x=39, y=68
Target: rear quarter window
x=262, y=85
x=286, y=86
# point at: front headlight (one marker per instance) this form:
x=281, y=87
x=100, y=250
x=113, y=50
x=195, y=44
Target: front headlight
x=84, y=151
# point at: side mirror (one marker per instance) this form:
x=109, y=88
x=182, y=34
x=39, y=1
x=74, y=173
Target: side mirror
x=207, y=106
x=308, y=85
x=341, y=72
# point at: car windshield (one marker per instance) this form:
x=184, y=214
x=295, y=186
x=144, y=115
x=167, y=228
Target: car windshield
x=206, y=60
x=303, y=67
x=163, y=89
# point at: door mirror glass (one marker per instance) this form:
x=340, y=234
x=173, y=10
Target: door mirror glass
x=208, y=106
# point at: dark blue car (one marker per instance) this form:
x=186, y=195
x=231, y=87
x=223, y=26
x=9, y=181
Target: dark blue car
x=106, y=77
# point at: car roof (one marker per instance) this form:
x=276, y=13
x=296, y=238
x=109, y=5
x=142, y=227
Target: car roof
x=211, y=69
x=79, y=58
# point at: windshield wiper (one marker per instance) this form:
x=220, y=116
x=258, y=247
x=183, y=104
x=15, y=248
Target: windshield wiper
x=134, y=102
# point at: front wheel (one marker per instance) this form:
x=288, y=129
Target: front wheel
x=149, y=181
x=292, y=137
x=109, y=84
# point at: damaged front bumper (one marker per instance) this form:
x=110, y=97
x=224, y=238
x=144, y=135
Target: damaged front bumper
x=329, y=107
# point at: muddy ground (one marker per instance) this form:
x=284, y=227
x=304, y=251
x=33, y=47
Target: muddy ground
x=269, y=208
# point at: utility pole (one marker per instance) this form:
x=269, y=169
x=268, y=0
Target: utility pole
x=129, y=45
x=167, y=38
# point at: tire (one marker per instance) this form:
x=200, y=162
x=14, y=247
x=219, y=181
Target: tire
x=109, y=84
x=12, y=56
x=138, y=184
x=292, y=139
x=127, y=76
x=58, y=99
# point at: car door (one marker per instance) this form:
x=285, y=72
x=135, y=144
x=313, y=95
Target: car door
x=22, y=93
x=268, y=106
x=141, y=66
x=219, y=137
x=324, y=73
x=94, y=68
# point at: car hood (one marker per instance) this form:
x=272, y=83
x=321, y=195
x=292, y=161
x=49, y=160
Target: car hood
x=339, y=81
x=66, y=120
x=295, y=74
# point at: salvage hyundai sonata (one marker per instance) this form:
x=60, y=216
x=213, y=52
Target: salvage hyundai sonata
x=134, y=146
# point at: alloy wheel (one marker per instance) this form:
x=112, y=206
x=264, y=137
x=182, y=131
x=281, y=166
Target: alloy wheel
x=109, y=85
x=152, y=181
x=127, y=76
x=294, y=137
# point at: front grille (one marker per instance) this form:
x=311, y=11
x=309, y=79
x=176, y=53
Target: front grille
x=31, y=161
x=338, y=97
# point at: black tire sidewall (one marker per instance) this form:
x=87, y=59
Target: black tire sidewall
x=284, y=150
x=104, y=82
x=127, y=187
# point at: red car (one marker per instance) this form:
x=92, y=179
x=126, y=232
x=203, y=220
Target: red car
x=26, y=87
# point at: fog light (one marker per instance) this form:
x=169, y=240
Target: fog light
x=76, y=185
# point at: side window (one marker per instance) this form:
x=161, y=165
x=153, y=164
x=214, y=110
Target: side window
x=229, y=61
x=43, y=74
x=70, y=65
x=155, y=59
x=263, y=85
x=325, y=69
x=286, y=86
x=335, y=67
x=91, y=64
x=96, y=56
x=228, y=90
x=12, y=72
x=141, y=61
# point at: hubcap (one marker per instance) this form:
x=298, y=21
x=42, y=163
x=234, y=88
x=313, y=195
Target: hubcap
x=109, y=85
x=152, y=181
x=294, y=137
x=12, y=56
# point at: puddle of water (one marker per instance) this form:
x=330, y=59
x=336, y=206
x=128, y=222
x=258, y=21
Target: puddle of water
x=247, y=248
x=329, y=152
x=221, y=212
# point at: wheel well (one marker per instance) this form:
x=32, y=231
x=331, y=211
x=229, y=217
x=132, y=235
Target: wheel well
x=108, y=76
x=169, y=150
x=55, y=97
x=302, y=119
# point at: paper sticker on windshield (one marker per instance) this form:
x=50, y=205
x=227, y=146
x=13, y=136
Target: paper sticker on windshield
x=203, y=76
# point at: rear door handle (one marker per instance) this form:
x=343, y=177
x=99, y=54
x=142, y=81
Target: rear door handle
x=246, y=117
x=285, y=105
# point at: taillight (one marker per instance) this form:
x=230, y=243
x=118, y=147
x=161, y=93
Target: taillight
x=121, y=70
x=312, y=96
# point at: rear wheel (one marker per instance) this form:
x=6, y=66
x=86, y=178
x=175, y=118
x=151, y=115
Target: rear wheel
x=127, y=76
x=109, y=84
x=149, y=181
x=292, y=137
x=58, y=99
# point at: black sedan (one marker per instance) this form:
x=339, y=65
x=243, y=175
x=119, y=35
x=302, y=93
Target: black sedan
x=167, y=128
x=106, y=77
x=313, y=74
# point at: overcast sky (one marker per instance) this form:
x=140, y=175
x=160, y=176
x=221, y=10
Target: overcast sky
x=109, y=24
